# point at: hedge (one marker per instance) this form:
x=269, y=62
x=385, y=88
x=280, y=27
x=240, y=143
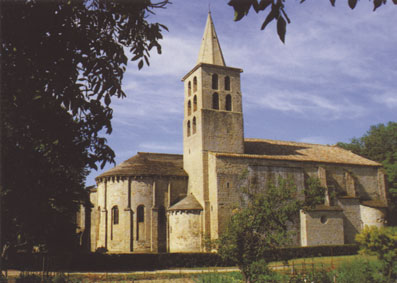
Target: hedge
x=133, y=262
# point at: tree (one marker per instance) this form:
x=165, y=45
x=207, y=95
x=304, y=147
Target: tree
x=380, y=144
x=277, y=11
x=381, y=242
x=61, y=64
x=265, y=220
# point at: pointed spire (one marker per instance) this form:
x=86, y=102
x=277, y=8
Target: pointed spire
x=210, y=50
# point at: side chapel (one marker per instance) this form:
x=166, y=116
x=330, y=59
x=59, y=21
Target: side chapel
x=156, y=202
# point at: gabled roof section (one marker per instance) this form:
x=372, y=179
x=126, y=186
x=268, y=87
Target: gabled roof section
x=296, y=151
x=210, y=49
x=149, y=164
x=188, y=203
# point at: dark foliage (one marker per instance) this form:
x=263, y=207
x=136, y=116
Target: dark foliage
x=130, y=262
x=276, y=11
x=61, y=64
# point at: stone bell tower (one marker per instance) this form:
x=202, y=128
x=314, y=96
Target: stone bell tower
x=213, y=118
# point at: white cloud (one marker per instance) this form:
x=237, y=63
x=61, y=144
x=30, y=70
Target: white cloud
x=389, y=99
x=160, y=147
x=316, y=140
x=309, y=104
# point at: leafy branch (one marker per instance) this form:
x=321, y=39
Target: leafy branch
x=276, y=11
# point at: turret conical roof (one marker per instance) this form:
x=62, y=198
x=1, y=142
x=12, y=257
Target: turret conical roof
x=210, y=49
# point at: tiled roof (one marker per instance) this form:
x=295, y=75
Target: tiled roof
x=296, y=151
x=188, y=203
x=144, y=164
x=323, y=207
x=374, y=203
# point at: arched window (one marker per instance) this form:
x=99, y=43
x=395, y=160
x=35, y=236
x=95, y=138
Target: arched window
x=189, y=107
x=188, y=128
x=228, y=103
x=194, y=84
x=227, y=83
x=215, y=101
x=189, y=88
x=194, y=125
x=115, y=215
x=141, y=214
x=140, y=219
x=195, y=103
x=214, y=81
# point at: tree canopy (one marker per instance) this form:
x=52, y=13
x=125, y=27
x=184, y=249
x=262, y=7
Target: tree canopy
x=62, y=62
x=276, y=10
x=380, y=144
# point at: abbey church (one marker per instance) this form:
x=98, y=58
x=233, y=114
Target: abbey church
x=156, y=202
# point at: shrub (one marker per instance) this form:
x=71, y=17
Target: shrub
x=313, y=276
x=359, y=270
x=383, y=243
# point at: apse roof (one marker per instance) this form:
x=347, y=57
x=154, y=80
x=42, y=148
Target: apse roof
x=145, y=163
x=188, y=203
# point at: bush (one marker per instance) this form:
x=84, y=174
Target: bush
x=383, y=243
x=314, y=276
x=131, y=262
x=29, y=278
x=259, y=271
x=359, y=270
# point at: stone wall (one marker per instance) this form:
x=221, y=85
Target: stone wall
x=185, y=231
x=352, y=223
x=372, y=216
x=141, y=203
x=342, y=180
x=94, y=220
x=321, y=228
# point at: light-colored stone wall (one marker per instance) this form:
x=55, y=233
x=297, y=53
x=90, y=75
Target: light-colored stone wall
x=366, y=178
x=117, y=197
x=321, y=228
x=223, y=131
x=215, y=130
x=228, y=170
x=192, y=145
x=102, y=216
x=154, y=193
x=352, y=218
x=371, y=216
x=226, y=182
x=94, y=220
x=235, y=89
x=185, y=231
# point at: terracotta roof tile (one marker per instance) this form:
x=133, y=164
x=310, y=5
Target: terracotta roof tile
x=296, y=151
x=188, y=203
x=374, y=203
x=145, y=163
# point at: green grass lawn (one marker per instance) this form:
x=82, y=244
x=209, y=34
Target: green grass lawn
x=317, y=262
x=212, y=275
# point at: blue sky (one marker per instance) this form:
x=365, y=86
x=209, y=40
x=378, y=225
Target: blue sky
x=334, y=78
